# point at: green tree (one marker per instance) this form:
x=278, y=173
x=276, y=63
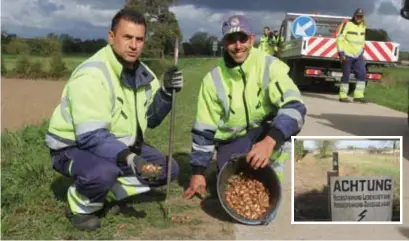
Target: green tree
x=17, y=46
x=325, y=147
x=298, y=149
x=163, y=27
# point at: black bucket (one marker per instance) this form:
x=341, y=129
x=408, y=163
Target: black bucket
x=265, y=175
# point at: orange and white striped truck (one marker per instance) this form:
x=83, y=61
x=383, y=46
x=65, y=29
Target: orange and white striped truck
x=314, y=59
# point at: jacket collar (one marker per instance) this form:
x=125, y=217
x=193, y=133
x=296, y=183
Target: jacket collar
x=246, y=66
x=132, y=78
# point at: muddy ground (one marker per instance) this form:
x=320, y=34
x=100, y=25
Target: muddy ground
x=26, y=102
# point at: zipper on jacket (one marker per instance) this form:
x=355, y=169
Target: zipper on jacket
x=137, y=145
x=243, y=77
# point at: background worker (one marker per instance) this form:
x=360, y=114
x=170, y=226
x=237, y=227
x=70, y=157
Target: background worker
x=276, y=41
x=351, y=47
x=96, y=133
x=246, y=104
x=265, y=41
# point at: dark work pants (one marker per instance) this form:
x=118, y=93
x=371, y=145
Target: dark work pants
x=95, y=176
x=241, y=145
x=353, y=64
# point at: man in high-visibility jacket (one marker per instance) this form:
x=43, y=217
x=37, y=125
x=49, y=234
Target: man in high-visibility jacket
x=265, y=41
x=276, y=40
x=351, y=47
x=247, y=104
x=96, y=133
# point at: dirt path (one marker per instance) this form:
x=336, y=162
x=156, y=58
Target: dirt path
x=327, y=117
x=26, y=102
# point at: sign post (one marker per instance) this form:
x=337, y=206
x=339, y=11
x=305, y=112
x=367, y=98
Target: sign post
x=303, y=26
x=214, y=48
x=361, y=199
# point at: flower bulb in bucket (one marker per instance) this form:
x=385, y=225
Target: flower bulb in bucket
x=249, y=196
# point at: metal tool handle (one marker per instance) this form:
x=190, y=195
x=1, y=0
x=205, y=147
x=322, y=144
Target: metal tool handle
x=171, y=134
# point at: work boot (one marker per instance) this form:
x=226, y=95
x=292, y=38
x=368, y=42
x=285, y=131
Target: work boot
x=84, y=222
x=344, y=100
x=360, y=100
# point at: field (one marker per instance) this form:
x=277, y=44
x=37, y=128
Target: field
x=33, y=195
x=394, y=86
x=310, y=180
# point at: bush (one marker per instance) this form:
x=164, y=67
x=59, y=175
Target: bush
x=298, y=149
x=28, y=69
x=58, y=67
x=3, y=66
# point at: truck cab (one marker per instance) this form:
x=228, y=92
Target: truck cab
x=314, y=59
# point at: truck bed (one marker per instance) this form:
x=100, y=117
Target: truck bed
x=325, y=48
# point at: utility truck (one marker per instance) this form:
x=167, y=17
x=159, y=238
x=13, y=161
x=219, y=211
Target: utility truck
x=309, y=48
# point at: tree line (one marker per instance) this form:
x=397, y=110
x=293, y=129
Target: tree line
x=200, y=44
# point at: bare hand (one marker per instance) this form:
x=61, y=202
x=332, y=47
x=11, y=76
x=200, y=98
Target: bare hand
x=197, y=185
x=260, y=153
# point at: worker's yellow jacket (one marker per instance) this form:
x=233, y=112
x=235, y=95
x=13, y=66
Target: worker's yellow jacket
x=351, y=39
x=105, y=108
x=234, y=99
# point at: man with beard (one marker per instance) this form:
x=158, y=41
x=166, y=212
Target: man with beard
x=96, y=133
x=247, y=104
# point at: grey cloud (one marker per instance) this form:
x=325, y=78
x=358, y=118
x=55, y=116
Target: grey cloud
x=387, y=8
x=102, y=4
x=344, y=7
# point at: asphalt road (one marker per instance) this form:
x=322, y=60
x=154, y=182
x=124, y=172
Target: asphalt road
x=328, y=117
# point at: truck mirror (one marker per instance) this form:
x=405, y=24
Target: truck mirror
x=404, y=12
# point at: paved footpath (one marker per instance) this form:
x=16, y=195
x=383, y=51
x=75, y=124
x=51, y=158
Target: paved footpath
x=326, y=116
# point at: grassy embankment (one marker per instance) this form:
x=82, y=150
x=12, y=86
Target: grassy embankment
x=34, y=196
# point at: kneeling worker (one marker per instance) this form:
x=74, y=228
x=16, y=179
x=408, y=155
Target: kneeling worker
x=246, y=104
x=96, y=133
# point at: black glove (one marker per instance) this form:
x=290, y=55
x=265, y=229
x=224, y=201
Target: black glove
x=173, y=79
x=142, y=168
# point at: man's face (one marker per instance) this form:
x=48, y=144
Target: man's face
x=359, y=18
x=238, y=46
x=266, y=31
x=127, y=40
x=275, y=33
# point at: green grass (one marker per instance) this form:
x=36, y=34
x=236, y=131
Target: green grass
x=34, y=195
x=393, y=91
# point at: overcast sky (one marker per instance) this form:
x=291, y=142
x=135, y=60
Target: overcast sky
x=91, y=18
x=356, y=143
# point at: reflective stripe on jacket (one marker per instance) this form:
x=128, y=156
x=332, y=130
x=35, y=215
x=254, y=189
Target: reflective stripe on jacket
x=103, y=106
x=351, y=39
x=233, y=101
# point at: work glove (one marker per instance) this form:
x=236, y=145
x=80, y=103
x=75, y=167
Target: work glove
x=142, y=168
x=173, y=79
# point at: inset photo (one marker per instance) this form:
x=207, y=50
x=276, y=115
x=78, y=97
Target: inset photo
x=347, y=179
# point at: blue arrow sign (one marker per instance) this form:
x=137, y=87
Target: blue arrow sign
x=303, y=26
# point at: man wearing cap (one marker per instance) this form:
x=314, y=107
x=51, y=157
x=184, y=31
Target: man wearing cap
x=248, y=105
x=265, y=41
x=351, y=48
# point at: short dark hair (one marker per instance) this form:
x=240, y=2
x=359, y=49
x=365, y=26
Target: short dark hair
x=130, y=15
x=267, y=28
